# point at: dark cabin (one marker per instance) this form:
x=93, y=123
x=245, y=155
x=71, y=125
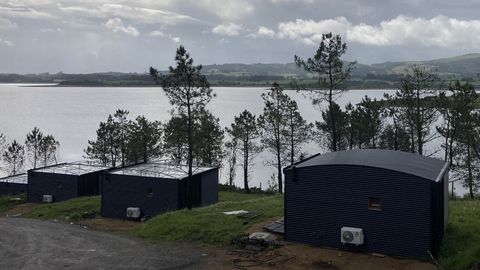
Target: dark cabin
x=399, y=200
x=13, y=185
x=156, y=187
x=65, y=181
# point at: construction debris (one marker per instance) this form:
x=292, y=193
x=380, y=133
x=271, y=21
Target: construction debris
x=276, y=227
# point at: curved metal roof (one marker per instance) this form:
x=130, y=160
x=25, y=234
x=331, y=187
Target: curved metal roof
x=414, y=164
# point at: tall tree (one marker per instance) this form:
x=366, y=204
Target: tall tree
x=121, y=127
x=32, y=145
x=328, y=66
x=208, y=139
x=48, y=148
x=231, y=149
x=273, y=127
x=144, y=140
x=14, y=158
x=105, y=149
x=189, y=91
x=245, y=130
x=370, y=112
x=298, y=131
x=175, y=142
x=420, y=113
x=325, y=128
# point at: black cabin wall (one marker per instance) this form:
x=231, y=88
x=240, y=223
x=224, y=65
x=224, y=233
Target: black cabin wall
x=322, y=199
x=122, y=191
x=61, y=186
x=12, y=188
x=89, y=184
x=210, y=187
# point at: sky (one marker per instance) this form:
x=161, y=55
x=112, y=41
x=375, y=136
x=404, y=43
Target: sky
x=82, y=36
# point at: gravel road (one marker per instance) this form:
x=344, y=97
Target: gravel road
x=34, y=244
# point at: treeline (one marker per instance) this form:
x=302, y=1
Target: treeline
x=408, y=120
x=38, y=150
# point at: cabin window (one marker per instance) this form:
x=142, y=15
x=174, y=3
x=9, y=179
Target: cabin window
x=375, y=203
x=149, y=192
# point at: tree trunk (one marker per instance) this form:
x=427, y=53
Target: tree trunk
x=190, y=156
x=419, y=124
x=279, y=169
x=245, y=167
x=332, y=117
x=470, y=173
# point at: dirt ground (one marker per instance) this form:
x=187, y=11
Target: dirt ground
x=27, y=241
x=299, y=257
x=41, y=245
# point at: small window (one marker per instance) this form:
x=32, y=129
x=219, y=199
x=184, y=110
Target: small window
x=149, y=192
x=375, y=204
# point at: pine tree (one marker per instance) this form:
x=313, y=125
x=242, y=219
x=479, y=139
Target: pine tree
x=298, y=131
x=328, y=66
x=32, y=145
x=245, y=130
x=14, y=158
x=48, y=148
x=189, y=91
x=144, y=140
x=273, y=127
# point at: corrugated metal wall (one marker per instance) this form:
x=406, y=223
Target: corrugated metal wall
x=323, y=199
x=122, y=191
x=61, y=186
x=89, y=184
x=210, y=187
x=12, y=188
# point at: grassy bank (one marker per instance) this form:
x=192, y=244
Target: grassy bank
x=461, y=246
x=72, y=210
x=208, y=224
x=7, y=202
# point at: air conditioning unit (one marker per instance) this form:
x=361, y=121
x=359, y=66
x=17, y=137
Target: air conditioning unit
x=133, y=212
x=47, y=198
x=352, y=236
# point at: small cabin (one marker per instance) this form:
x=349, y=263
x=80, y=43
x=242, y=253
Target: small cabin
x=13, y=185
x=381, y=201
x=152, y=188
x=64, y=181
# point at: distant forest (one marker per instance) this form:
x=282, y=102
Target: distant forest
x=384, y=75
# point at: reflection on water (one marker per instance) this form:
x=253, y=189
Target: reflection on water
x=72, y=114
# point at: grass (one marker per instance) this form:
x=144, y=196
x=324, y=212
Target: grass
x=460, y=249
x=73, y=210
x=461, y=245
x=7, y=202
x=208, y=225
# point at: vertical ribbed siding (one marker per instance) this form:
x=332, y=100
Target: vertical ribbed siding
x=89, y=184
x=12, y=188
x=61, y=186
x=210, y=187
x=325, y=198
x=122, y=191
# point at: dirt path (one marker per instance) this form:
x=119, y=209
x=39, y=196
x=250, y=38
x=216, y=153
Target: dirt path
x=39, y=245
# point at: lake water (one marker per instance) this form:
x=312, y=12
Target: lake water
x=72, y=114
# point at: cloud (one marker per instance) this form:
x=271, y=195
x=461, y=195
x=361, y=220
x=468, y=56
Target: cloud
x=227, y=29
x=262, y=32
x=439, y=31
x=21, y=11
x=158, y=33
x=227, y=9
x=6, y=24
x=138, y=14
x=116, y=25
x=7, y=43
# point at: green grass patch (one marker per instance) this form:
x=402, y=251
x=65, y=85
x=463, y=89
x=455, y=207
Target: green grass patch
x=208, y=224
x=74, y=210
x=461, y=245
x=7, y=202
